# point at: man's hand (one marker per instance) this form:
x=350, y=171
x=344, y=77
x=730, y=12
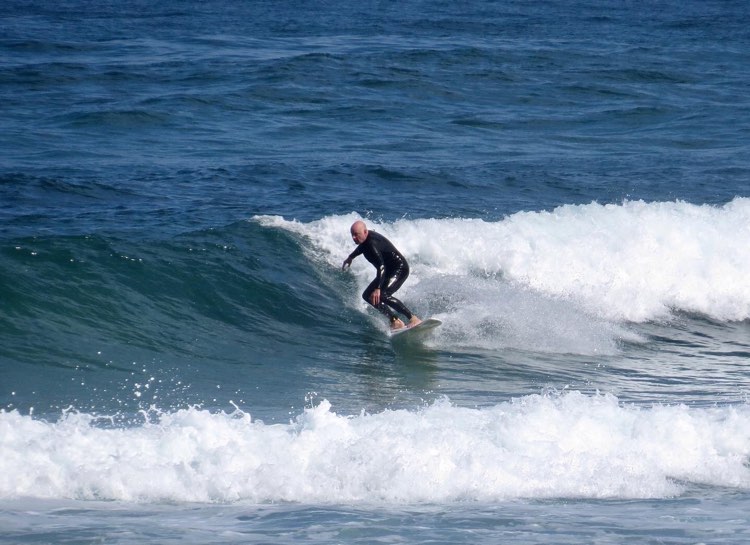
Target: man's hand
x=375, y=298
x=347, y=263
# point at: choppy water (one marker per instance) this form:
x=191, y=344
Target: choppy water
x=182, y=359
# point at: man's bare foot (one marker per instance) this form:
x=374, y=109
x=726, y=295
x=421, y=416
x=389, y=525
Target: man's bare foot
x=414, y=321
x=397, y=324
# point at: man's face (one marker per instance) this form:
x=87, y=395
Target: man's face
x=359, y=233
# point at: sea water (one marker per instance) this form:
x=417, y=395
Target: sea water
x=182, y=359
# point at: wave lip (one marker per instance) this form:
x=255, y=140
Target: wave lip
x=543, y=446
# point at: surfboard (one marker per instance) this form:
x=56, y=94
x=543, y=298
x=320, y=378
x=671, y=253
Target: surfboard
x=417, y=331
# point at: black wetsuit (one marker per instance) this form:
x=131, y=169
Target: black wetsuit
x=392, y=270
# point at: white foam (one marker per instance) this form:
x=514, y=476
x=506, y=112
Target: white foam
x=634, y=262
x=542, y=446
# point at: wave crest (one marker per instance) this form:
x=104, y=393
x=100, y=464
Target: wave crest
x=632, y=262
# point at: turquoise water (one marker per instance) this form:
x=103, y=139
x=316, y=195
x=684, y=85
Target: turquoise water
x=182, y=359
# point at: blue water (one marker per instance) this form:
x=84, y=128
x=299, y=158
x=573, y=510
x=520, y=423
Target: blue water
x=182, y=359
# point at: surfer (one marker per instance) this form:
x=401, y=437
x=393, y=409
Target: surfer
x=391, y=272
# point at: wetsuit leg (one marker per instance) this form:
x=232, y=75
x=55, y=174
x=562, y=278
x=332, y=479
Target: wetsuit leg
x=391, y=286
x=381, y=307
x=387, y=300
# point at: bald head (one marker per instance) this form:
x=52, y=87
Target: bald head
x=359, y=231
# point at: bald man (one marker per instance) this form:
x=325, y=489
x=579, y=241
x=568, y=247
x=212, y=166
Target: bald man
x=391, y=272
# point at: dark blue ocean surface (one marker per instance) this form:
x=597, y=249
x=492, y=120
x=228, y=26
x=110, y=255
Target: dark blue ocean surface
x=181, y=357
x=185, y=115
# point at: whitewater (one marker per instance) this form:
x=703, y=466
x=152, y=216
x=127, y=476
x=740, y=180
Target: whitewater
x=547, y=446
x=631, y=262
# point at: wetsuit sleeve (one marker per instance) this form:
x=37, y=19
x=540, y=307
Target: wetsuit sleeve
x=357, y=251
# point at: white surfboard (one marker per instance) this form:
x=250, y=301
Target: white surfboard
x=417, y=331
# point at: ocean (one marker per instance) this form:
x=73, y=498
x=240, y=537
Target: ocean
x=183, y=360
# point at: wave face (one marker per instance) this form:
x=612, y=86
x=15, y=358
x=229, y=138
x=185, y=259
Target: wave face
x=104, y=323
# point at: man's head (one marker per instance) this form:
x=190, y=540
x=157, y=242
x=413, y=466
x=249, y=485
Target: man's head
x=359, y=231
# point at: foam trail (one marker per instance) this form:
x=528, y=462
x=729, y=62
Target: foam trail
x=635, y=261
x=543, y=446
